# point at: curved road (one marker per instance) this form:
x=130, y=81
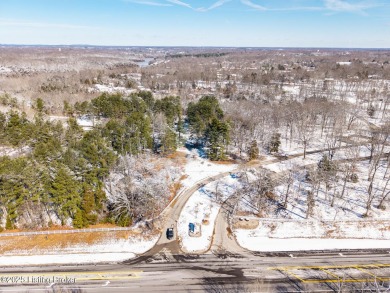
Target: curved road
x=223, y=240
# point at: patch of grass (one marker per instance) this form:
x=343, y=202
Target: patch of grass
x=177, y=155
x=244, y=213
x=225, y=162
x=35, y=243
x=229, y=231
x=61, y=228
x=182, y=177
x=174, y=188
x=249, y=225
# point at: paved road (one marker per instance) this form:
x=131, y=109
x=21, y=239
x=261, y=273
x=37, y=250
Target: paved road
x=248, y=272
x=225, y=268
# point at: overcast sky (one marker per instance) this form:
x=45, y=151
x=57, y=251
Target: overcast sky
x=255, y=23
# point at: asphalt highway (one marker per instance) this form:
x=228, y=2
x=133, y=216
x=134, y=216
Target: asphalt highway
x=211, y=272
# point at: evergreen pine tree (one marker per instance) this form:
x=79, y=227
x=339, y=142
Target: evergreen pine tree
x=88, y=205
x=169, y=141
x=274, y=143
x=40, y=106
x=253, y=151
x=8, y=224
x=217, y=135
x=326, y=165
x=65, y=194
x=78, y=220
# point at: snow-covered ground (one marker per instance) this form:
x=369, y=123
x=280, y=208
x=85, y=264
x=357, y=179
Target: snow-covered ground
x=202, y=209
x=85, y=122
x=330, y=205
x=286, y=229
x=14, y=152
x=28, y=260
x=349, y=207
x=112, y=250
x=338, y=226
x=101, y=88
x=294, y=163
x=252, y=240
x=310, y=234
x=5, y=70
x=198, y=168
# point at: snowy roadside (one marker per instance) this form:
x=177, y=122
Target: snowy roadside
x=108, y=251
x=250, y=240
x=274, y=235
x=202, y=210
x=54, y=259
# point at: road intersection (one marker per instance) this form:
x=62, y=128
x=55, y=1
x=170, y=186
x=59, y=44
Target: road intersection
x=225, y=267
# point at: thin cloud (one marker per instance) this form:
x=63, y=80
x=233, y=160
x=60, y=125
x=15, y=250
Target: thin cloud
x=344, y=6
x=328, y=5
x=253, y=5
x=148, y=3
x=263, y=8
x=180, y=3
x=215, y=5
x=200, y=9
x=301, y=8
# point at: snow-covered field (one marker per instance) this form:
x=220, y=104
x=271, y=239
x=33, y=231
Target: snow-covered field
x=350, y=206
x=198, y=168
x=341, y=225
x=286, y=229
x=253, y=240
x=112, y=250
x=77, y=258
x=202, y=209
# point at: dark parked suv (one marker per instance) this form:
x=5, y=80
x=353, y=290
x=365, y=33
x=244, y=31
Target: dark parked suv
x=170, y=233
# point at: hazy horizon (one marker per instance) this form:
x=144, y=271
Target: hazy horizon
x=189, y=47
x=188, y=23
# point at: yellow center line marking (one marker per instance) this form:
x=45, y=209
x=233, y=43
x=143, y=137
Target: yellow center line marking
x=329, y=267
x=329, y=273
x=294, y=275
x=343, y=281
x=362, y=268
x=366, y=272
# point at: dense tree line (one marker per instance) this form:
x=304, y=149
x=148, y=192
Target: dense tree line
x=131, y=126
x=60, y=178
x=61, y=174
x=206, y=119
x=65, y=167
